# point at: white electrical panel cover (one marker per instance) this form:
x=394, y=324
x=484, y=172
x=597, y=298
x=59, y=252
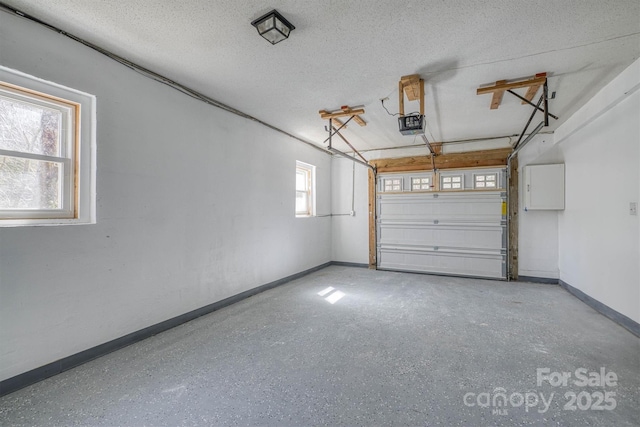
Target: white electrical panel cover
x=544, y=187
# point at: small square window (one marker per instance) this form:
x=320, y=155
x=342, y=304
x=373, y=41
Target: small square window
x=420, y=184
x=392, y=184
x=485, y=181
x=452, y=182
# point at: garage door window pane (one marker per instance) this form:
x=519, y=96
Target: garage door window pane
x=392, y=184
x=451, y=182
x=485, y=181
x=421, y=183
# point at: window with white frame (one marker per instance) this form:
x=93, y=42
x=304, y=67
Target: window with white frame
x=451, y=182
x=422, y=183
x=46, y=152
x=392, y=184
x=305, y=189
x=488, y=180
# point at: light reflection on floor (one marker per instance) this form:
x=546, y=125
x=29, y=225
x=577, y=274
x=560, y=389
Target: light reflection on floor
x=333, y=297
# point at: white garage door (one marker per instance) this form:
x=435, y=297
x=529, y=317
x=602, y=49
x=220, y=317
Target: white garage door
x=460, y=230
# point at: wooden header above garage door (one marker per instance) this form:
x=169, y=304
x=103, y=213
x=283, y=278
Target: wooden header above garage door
x=470, y=159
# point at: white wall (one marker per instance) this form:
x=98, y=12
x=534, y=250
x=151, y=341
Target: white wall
x=598, y=238
x=350, y=233
x=593, y=245
x=538, y=244
x=537, y=230
x=194, y=205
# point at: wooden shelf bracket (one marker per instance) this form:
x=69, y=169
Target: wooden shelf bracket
x=345, y=111
x=532, y=84
x=335, y=125
x=412, y=86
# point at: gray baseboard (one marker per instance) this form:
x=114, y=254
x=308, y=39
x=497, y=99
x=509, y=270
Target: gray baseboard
x=543, y=280
x=38, y=374
x=350, y=264
x=622, y=320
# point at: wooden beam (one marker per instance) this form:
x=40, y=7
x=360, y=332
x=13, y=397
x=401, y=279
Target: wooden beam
x=359, y=121
x=372, y=221
x=497, y=96
x=337, y=123
x=513, y=219
x=421, y=97
x=401, y=98
x=513, y=85
x=411, y=86
x=437, y=147
x=326, y=115
x=531, y=92
x=469, y=159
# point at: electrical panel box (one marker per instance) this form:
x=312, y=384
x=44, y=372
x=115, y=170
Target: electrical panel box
x=543, y=187
x=411, y=125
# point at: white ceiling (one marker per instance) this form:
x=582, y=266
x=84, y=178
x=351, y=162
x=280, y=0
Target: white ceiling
x=353, y=52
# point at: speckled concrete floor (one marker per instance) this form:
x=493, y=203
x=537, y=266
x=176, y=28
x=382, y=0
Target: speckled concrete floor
x=397, y=349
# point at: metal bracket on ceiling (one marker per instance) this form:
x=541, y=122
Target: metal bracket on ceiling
x=332, y=130
x=524, y=100
x=354, y=114
x=533, y=84
x=345, y=111
x=544, y=98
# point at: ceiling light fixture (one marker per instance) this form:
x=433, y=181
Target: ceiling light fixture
x=273, y=27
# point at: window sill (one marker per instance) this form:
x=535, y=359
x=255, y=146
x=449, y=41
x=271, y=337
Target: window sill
x=44, y=222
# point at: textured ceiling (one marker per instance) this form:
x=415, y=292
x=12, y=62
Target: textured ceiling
x=354, y=52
